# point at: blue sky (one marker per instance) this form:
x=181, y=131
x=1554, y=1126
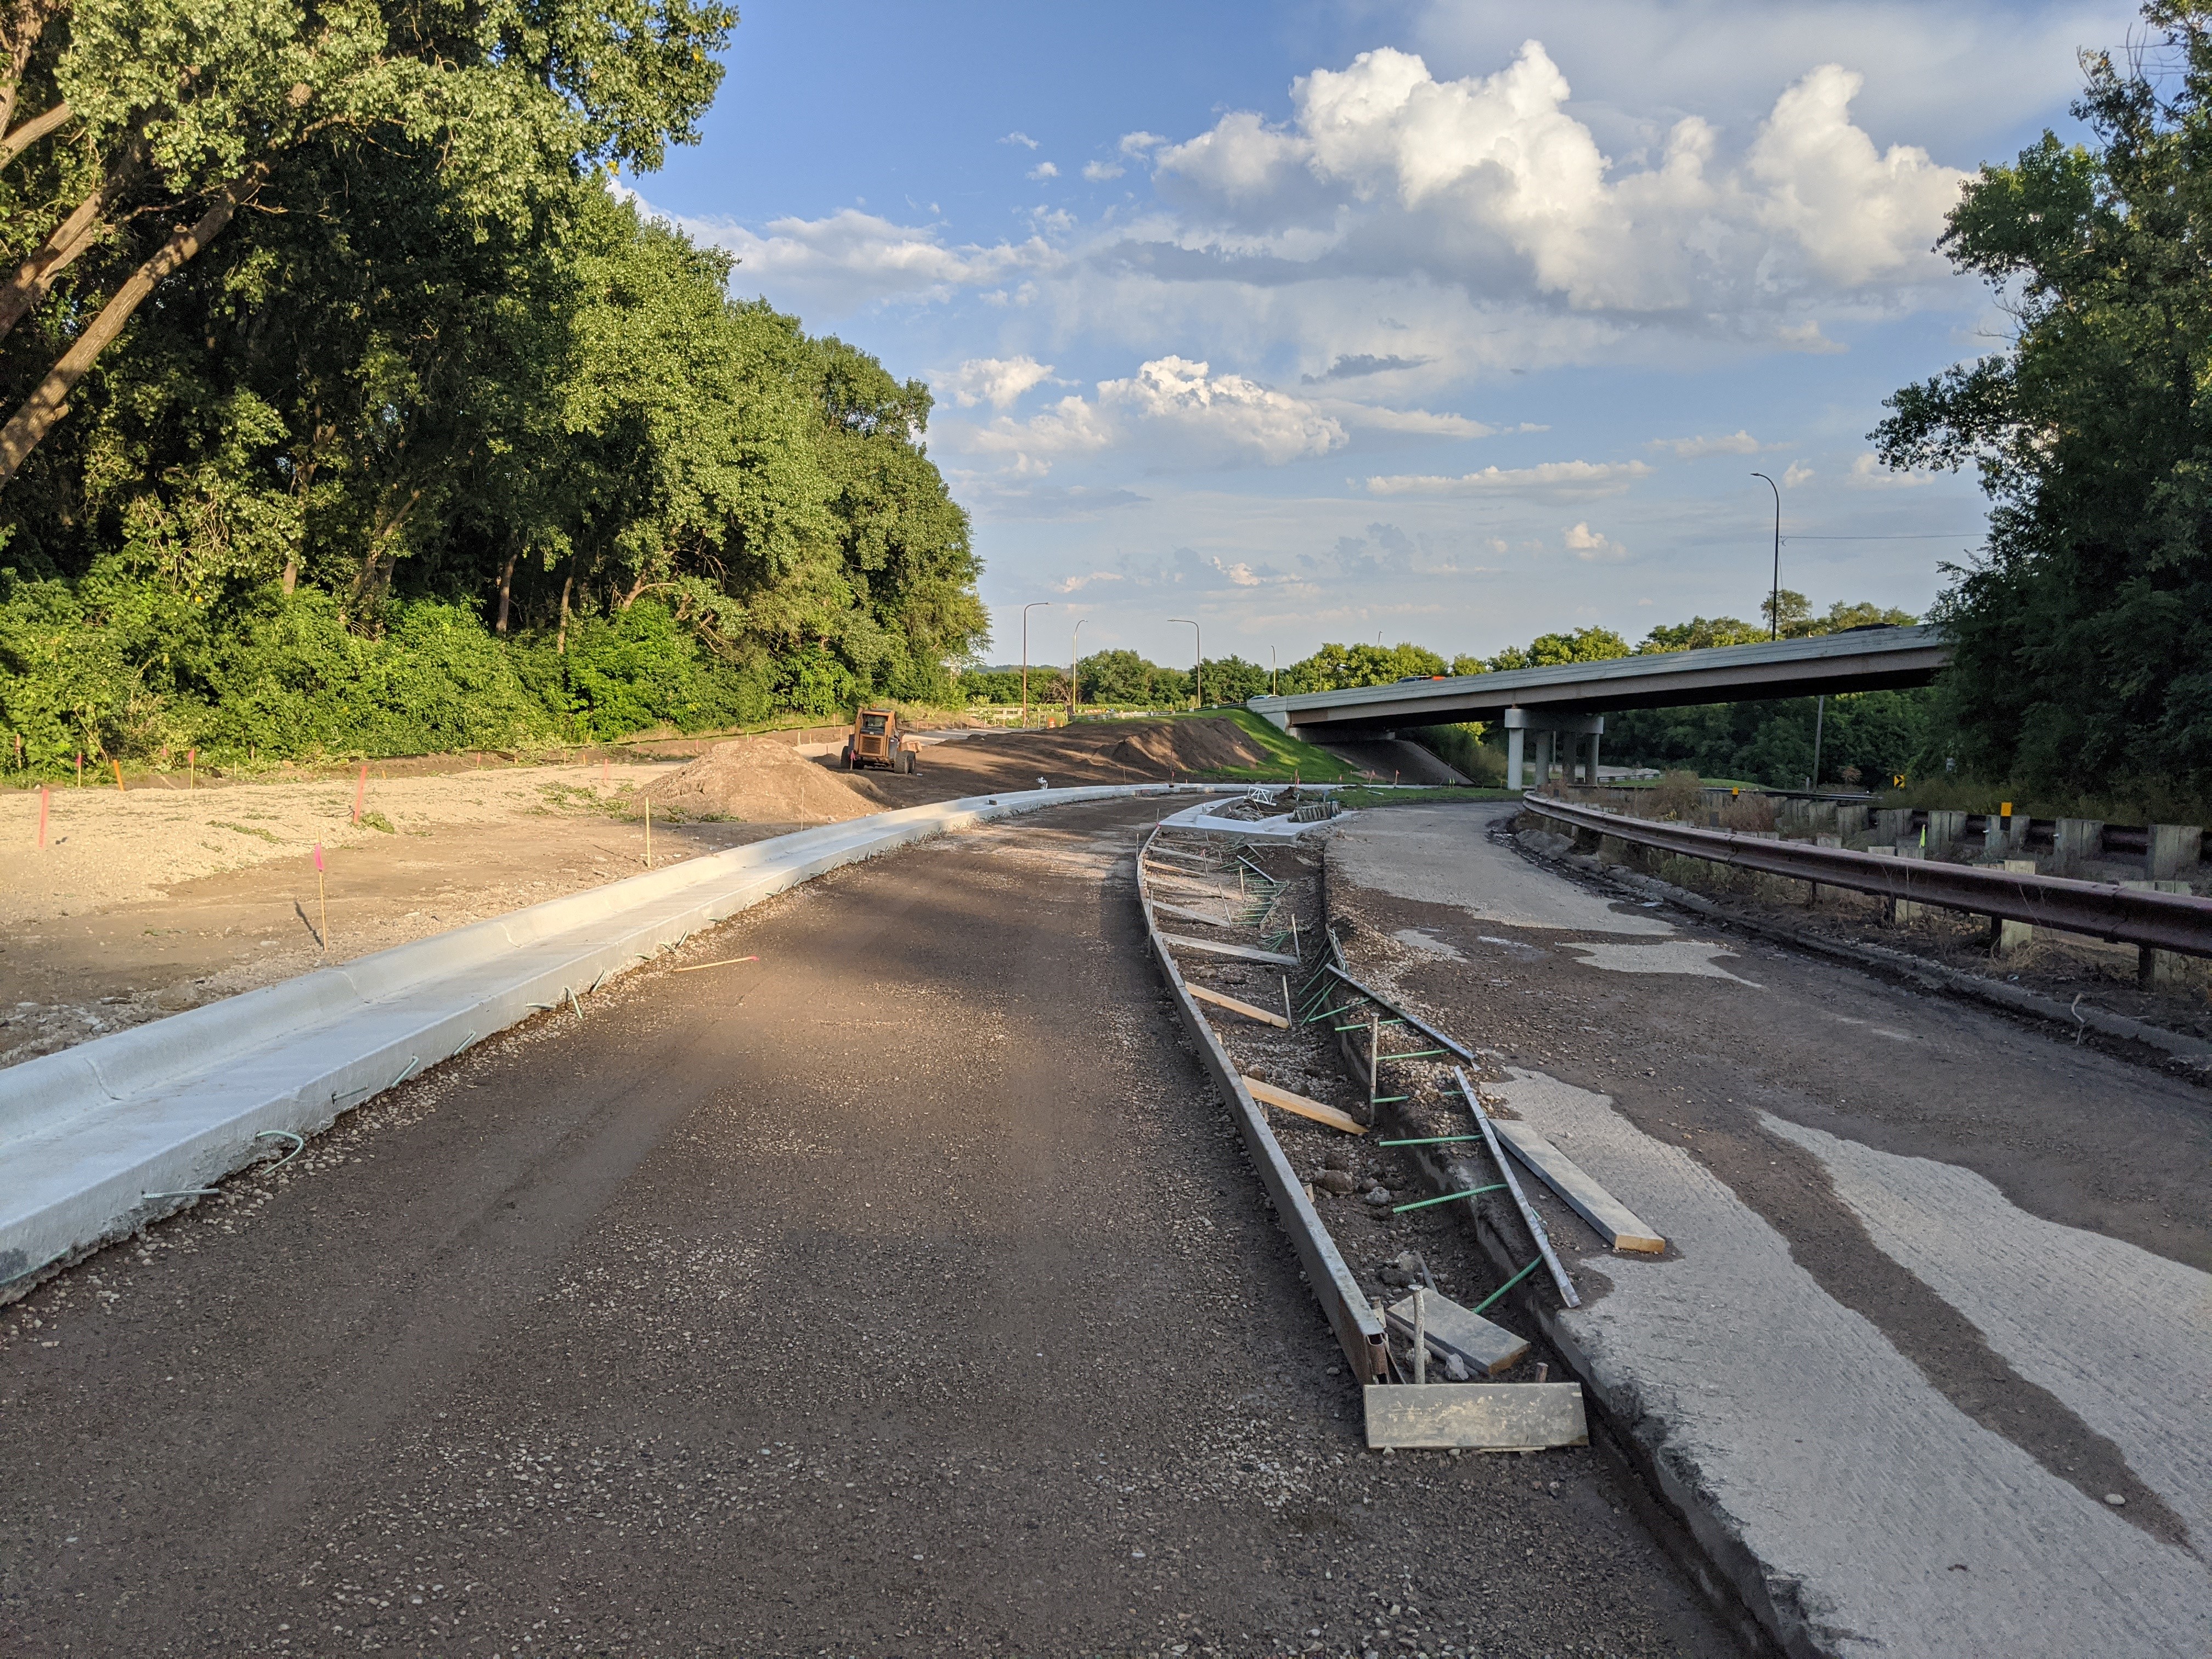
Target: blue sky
x=1449, y=322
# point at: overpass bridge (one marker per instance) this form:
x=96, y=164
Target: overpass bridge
x=1569, y=701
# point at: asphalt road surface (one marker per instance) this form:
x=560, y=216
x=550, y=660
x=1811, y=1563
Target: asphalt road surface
x=903, y=1292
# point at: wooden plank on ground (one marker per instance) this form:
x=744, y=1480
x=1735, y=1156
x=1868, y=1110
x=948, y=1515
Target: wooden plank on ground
x=1615, y=1223
x=1241, y=952
x=1233, y=1006
x=1487, y=1416
x=1268, y=1095
x=1160, y=907
x=1205, y=861
x=1211, y=888
x=1486, y=1349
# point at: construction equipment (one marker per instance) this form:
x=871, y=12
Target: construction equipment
x=878, y=741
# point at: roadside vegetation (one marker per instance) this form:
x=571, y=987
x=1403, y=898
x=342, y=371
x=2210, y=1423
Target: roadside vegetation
x=2083, y=633
x=418, y=437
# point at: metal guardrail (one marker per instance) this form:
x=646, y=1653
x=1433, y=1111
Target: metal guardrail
x=2160, y=921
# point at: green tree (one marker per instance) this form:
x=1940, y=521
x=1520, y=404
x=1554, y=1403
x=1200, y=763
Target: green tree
x=157, y=121
x=1340, y=667
x=1231, y=680
x=2083, y=635
x=1551, y=650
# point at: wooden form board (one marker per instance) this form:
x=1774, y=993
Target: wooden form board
x=1485, y=1348
x=1268, y=1095
x=1212, y=889
x=1235, y=1007
x=1162, y=908
x=1486, y=1416
x=1243, y=952
x=1614, y=1220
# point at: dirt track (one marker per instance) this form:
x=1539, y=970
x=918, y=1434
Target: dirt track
x=903, y=1293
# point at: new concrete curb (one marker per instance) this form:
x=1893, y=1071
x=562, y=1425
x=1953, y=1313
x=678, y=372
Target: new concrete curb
x=101, y=1139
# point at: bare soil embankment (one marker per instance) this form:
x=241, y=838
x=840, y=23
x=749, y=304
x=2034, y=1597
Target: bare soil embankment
x=151, y=902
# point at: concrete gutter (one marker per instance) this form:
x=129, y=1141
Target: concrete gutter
x=99, y=1140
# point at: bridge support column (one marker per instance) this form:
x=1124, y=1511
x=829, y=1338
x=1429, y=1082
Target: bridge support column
x=1550, y=729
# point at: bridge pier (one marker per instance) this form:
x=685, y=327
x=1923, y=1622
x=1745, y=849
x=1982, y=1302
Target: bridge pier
x=1549, y=729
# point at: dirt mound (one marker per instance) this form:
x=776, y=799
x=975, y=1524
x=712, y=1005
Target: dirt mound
x=759, y=780
x=1186, y=745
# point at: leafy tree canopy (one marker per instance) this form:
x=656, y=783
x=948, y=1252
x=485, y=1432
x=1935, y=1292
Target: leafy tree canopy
x=2083, y=634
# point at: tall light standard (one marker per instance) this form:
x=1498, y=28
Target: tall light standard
x=1774, y=616
x=1074, y=657
x=1199, y=671
x=1026, y=609
x=1271, y=671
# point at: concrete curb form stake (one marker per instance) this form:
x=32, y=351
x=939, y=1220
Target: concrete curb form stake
x=103, y=1138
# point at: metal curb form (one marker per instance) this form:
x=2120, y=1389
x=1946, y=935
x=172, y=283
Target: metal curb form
x=1357, y=1330
x=2160, y=921
x=100, y=1139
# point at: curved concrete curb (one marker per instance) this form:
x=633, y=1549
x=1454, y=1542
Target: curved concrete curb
x=101, y=1139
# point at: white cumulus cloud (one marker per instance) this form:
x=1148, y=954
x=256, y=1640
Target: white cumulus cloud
x=1099, y=171
x=1587, y=543
x=1043, y=170
x=1489, y=183
x=850, y=258
x=1179, y=412
x=998, y=381
x=1021, y=138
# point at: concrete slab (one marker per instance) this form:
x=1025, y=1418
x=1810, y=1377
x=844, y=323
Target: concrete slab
x=1885, y=1520
x=1422, y=854
x=2124, y=1337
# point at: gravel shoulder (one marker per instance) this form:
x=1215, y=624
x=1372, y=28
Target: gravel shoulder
x=904, y=1292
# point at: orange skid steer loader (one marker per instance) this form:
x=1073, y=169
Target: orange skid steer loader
x=878, y=741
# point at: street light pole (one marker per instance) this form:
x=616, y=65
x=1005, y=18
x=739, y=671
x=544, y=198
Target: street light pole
x=1026, y=609
x=1197, y=670
x=1774, y=613
x=1074, y=657
x=1271, y=671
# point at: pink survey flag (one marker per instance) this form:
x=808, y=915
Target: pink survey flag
x=318, y=856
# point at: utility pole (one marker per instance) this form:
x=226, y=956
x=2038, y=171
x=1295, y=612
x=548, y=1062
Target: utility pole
x=1271, y=671
x=1074, y=657
x=1026, y=609
x=1198, y=671
x=1774, y=614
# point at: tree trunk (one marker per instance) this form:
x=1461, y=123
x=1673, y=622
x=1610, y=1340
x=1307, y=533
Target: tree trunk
x=32, y=130
x=506, y=588
x=561, y=638
x=21, y=294
x=291, y=576
x=50, y=400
